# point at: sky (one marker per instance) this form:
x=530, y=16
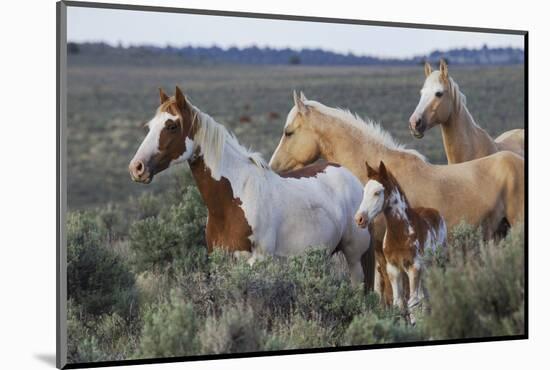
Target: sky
x=161, y=29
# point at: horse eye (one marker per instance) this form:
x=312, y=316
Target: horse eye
x=439, y=94
x=172, y=127
x=288, y=134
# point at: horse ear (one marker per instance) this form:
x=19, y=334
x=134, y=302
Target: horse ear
x=370, y=171
x=163, y=96
x=444, y=69
x=302, y=96
x=427, y=68
x=382, y=170
x=302, y=108
x=180, y=99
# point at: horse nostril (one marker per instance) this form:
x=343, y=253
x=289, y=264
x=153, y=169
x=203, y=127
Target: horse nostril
x=139, y=168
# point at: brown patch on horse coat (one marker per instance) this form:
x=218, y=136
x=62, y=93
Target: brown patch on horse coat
x=227, y=227
x=171, y=145
x=309, y=171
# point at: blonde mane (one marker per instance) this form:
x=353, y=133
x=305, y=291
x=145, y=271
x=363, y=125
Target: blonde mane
x=368, y=127
x=459, y=99
x=212, y=138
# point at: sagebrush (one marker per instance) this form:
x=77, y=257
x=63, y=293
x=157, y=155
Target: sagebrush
x=141, y=285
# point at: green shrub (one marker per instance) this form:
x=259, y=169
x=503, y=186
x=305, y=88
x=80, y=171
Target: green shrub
x=320, y=293
x=146, y=205
x=482, y=295
x=234, y=331
x=371, y=329
x=301, y=333
x=464, y=243
x=81, y=347
x=170, y=328
x=277, y=288
x=97, y=279
x=173, y=241
x=110, y=218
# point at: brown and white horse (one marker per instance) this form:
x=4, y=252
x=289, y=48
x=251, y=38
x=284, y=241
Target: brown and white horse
x=409, y=232
x=251, y=209
x=482, y=192
x=441, y=103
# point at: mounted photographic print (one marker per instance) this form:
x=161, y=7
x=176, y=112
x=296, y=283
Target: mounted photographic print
x=236, y=184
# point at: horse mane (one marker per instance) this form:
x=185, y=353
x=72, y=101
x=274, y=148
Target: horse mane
x=213, y=137
x=459, y=99
x=396, y=184
x=368, y=127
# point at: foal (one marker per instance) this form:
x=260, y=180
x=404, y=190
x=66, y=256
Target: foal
x=409, y=232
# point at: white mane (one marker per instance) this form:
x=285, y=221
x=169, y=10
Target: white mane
x=369, y=128
x=213, y=139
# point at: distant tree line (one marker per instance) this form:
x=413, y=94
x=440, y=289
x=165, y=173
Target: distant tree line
x=270, y=56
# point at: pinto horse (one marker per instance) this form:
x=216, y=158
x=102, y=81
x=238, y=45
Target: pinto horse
x=442, y=103
x=251, y=209
x=409, y=232
x=484, y=192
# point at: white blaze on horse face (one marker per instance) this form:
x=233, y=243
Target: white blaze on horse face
x=150, y=145
x=373, y=200
x=276, y=157
x=432, y=85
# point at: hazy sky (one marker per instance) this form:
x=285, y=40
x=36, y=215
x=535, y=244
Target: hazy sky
x=136, y=27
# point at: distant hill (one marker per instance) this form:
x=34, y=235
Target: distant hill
x=146, y=55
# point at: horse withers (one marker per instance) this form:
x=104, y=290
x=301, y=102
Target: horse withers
x=251, y=209
x=409, y=233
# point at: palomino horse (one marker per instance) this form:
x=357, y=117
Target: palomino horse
x=482, y=192
x=409, y=232
x=251, y=209
x=442, y=103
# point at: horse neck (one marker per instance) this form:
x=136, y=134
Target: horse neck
x=215, y=193
x=397, y=212
x=463, y=139
x=221, y=192
x=335, y=140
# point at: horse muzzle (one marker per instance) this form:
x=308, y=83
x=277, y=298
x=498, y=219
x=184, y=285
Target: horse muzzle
x=139, y=172
x=361, y=220
x=417, y=131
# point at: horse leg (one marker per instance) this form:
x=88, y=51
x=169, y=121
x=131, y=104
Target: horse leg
x=382, y=285
x=385, y=286
x=414, y=274
x=368, y=262
x=356, y=273
x=354, y=251
x=394, y=275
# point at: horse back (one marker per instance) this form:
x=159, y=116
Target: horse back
x=309, y=171
x=513, y=140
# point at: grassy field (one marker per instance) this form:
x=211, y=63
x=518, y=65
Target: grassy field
x=107, y=105
x=140, y=284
